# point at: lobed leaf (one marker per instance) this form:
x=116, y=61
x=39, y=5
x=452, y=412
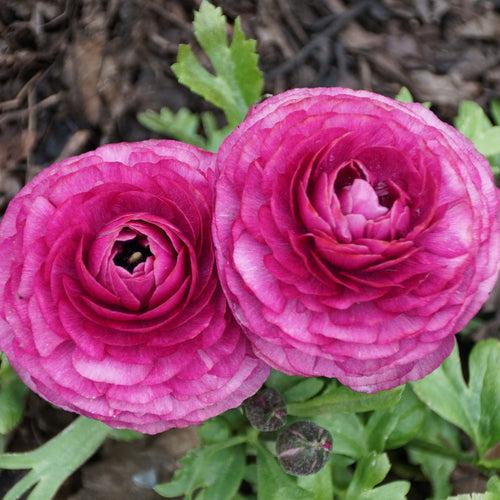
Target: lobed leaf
x=237, y=81
x=474, y=408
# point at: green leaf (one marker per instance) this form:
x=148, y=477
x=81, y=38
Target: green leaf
x=474, y=408
x=445, y=392
x=273, y=483
x=237, y=81
x=472, y=120
x=201, y=467
x=247, y=73
x=214, y=430
x=474, y=496
x=125, y=434
x=348, y=433
x=495, y=110
x=228, y=474
x=215, y=135
x=182, y=125
x=56, y=460
x=411, y=415
x=344, y=400
x=341, y=473
x=488, y=143
x=304, y=390
x=282, y=382
x=319, y=484
x=484, y=380
x=404, y=95
x=12, y=398
x=493, y=485
x=396, y=490
x=370, y=471
x=436, y=467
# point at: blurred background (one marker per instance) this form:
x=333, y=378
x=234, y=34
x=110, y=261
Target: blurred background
x=75, y=74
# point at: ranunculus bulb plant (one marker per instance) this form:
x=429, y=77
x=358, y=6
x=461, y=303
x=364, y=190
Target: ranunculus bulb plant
x=340, y=237
x=355, y=235
x=110, y=304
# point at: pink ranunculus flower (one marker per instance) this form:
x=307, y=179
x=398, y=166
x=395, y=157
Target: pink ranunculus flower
x=354, y=235
x=110, y=304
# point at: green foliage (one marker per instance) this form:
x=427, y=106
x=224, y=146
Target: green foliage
x=436, y=467
x=473, y=122
x=473, y=407
x=404, y=95
x=370, y=471
x=273, y=483
x=235, y=84
x=12, y=397
x=217, y=470
x=345, y=400
x=51, y=464
x=124, y=435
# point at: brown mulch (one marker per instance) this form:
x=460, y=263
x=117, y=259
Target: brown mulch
x=74, y=75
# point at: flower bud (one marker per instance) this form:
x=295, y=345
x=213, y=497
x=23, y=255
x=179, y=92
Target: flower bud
x=266, y=410
x=303, y=448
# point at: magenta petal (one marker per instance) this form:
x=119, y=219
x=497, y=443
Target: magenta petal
x=379, y=223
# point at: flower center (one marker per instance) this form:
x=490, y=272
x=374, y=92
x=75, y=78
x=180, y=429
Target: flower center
x=131, y=253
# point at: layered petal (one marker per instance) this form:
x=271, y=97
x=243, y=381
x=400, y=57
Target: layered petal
x=354, y=235
x=111, y=305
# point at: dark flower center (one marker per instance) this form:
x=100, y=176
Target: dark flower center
x=131, y=253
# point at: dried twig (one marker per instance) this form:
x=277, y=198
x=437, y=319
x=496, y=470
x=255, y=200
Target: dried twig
x=331, y=30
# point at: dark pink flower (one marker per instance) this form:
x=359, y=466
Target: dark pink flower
x=110, y=304
x=354, y=235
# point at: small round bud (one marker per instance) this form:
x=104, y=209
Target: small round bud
x=303, y=448
x=266, y=411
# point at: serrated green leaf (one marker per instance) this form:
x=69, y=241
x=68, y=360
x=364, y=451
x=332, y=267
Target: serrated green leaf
x=474, y=408
x=247, y=73
x=344, y=400
x=472, y=120
x=237, y=81
x=212, y=88
x=304, y=390
x=273, y=483
x=404, y=95
x=488, y=142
